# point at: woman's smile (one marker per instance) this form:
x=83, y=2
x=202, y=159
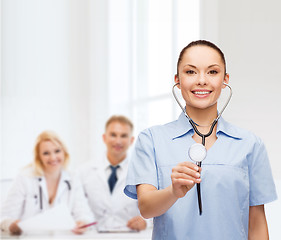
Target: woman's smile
x=201, y=93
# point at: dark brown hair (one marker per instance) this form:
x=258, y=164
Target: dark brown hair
x=201, y=43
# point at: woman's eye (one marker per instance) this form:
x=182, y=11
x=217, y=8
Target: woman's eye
x=58, y=151
x=190, y=72
x=45, y=153
x=213, y=72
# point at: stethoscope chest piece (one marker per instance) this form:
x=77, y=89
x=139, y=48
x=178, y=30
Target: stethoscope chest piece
x=197, y=152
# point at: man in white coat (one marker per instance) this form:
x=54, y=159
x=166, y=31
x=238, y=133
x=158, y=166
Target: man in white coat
x=104, y=181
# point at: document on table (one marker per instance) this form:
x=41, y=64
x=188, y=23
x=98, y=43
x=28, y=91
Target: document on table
x=57, y=218
x=104, y=229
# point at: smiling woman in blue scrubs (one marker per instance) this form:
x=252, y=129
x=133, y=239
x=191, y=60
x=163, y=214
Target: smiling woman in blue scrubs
x=235, y=178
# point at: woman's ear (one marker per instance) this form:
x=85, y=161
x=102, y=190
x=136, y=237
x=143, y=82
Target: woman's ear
x=226, y=79
x=177, y=81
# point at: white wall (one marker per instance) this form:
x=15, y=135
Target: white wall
x=67, y=65
x=54, y=76
x=34, y=87
x=249, y=33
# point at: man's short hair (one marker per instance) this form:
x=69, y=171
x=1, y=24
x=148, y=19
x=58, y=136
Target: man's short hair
x=121, y=119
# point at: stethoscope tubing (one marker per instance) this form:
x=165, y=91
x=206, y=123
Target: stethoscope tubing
x=185, y=113
x=203, y=136
x=41, y=198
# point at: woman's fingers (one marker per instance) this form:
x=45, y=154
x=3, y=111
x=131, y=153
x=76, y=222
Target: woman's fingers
x=187, y=170
x=184, y=176
x=77, y=229
x=14, y=228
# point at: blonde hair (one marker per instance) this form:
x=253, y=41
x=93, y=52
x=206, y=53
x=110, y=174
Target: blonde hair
x=47, y=136
x=121, y=119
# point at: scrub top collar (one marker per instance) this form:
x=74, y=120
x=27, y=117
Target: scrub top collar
x=183, y=126
x=228, y=129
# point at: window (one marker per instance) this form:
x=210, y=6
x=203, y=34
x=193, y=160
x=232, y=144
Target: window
x=145, y=38
x=90, y=60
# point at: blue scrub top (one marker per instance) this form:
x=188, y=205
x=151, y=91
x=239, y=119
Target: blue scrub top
x=236, y=174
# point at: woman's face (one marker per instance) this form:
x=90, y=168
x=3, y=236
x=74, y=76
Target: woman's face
x=201, y=74
x=51, y=155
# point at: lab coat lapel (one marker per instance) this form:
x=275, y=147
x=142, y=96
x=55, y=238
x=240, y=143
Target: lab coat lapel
x=103, y=178
x=63, y=186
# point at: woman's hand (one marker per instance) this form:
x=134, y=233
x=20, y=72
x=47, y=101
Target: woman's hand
x=77, y=229
x=153, y=202
x=14, y=228
x=184, y=176
x=137, y=223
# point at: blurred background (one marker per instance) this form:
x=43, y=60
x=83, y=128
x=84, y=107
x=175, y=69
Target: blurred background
x=68, y=65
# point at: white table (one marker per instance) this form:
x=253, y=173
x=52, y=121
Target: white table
x=90, y=235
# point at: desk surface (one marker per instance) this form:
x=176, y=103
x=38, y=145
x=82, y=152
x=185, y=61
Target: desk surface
x=91, y=234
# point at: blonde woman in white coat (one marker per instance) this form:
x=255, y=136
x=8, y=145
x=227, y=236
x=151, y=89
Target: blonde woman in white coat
x=44, y=184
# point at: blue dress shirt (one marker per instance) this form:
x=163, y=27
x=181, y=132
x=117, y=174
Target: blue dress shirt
x=236, y=174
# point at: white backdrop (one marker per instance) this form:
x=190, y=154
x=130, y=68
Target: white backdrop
x=67, y=65
x=249, y=33
x=54, y=76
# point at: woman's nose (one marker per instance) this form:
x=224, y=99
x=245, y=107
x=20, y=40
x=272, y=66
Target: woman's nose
x=202, y=80
x=53, y=156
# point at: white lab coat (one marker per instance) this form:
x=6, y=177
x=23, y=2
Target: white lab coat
x=111, y=210
x=24, y=198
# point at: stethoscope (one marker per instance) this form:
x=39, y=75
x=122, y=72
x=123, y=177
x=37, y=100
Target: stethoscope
x=41, y=194
x=198, y=152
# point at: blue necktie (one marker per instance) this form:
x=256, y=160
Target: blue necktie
x=112, y=178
